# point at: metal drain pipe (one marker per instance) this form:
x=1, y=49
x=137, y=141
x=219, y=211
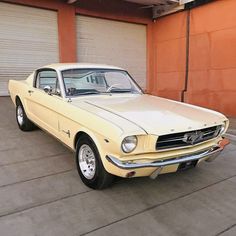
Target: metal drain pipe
x=188, y=6
x=187, y=55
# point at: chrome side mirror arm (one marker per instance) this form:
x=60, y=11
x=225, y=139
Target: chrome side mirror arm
x=48, y=89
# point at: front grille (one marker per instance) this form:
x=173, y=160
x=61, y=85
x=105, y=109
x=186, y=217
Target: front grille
x=188, y=138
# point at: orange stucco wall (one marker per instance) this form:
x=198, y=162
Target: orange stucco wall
x=170, y=56
x=67, y=34
x=212, y=56
x=212, y=75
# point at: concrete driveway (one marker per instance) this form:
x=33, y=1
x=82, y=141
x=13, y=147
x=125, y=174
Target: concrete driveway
x=41, y=193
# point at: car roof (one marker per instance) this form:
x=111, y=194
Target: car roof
x=68, y=66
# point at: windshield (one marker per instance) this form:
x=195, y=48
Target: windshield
x=95, y=81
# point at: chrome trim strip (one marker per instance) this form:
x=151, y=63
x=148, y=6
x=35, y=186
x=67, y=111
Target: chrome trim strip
x=211, y=132
x=211, y=152
x=171, y=140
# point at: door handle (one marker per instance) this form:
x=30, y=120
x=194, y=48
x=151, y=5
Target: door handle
x=30, y=91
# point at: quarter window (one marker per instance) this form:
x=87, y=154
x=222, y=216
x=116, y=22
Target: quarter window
x=48, y=78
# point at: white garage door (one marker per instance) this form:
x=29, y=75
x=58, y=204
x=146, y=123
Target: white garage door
x=114, y=43
x=28, y=40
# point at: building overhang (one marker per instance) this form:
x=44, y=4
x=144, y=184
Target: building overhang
x=159, y=7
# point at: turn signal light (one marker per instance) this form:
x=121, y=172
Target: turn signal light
x=224, y=142
x=130, y=174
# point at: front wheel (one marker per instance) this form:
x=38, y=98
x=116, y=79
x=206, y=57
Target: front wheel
x=89, y=165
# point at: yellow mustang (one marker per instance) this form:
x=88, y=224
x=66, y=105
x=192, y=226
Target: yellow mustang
x=115, y=129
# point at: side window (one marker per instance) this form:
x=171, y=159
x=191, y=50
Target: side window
x=48, y=78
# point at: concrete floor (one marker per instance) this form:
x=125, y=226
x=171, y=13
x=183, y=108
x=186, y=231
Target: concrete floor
x=41, y=193
x=232, y=127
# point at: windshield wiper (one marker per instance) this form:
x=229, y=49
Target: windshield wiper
x=78, y=93
x=88, y=93
x=121, y=91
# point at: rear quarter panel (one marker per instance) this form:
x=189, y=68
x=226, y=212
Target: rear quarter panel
x=18, y=88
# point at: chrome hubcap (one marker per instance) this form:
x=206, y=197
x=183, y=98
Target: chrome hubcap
x=20, y=115
x=87, y=161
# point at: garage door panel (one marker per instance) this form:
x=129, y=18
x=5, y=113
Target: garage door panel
x=28, y=40
x=112, y=42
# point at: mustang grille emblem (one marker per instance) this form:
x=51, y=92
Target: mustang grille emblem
x=194, y=137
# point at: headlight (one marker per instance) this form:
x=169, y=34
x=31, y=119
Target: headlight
x=129, y=144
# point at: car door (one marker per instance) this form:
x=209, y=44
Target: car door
x=44, y=100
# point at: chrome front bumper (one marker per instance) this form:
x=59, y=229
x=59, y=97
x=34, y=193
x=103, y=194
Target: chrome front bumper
x=207, y=154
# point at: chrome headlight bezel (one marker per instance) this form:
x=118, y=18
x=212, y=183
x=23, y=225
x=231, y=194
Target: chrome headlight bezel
x=223, y=128
x=129, y=144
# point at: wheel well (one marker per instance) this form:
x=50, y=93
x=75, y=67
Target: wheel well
x=78, y=136
x=17, y=99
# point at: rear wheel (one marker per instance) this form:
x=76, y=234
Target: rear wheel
x=89, y=165
x=22, y=120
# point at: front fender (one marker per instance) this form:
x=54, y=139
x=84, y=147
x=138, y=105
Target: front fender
x=103, y=144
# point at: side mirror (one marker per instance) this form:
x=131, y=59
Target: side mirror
x=58, y=92
x=48, y=89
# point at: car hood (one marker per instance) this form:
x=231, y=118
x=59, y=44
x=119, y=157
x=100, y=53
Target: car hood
x=155, y=115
